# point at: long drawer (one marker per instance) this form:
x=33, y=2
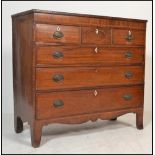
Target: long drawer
x=68, y=103
x=77, y=77
x=75, y=55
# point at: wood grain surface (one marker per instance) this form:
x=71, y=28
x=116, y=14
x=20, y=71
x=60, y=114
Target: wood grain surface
x=87, y=101
x=77, y=77
x=76, y=55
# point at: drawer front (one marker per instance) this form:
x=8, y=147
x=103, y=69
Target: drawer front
x=72, y=55
x=128, y=37
x=92, y=35
x=77, y=77
x=57, y=34
x=68, y=103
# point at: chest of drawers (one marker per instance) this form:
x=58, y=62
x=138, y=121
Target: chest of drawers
x=72, y=68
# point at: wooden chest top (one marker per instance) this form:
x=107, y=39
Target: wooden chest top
x=51, y=17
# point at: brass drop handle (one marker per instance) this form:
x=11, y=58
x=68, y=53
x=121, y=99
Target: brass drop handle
x=58, y=34
x=58, y=103
x=128, y=54
x=127, y=97
x=57, y=55
x=129, y=37
x=58, y=78
x=128, y=75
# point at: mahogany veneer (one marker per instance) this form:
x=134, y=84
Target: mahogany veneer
x=72, y=68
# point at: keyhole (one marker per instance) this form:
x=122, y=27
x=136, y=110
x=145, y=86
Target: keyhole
x=95, y=93
x=129, y=32
x=96, y=50
x=58, y=28
x=96, y=31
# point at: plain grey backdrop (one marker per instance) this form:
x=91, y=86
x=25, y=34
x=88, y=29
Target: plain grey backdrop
x=107, y=137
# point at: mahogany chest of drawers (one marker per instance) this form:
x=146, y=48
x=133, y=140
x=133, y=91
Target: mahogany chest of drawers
x=72, y=68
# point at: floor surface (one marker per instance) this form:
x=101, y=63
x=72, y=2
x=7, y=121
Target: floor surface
x=101, y=137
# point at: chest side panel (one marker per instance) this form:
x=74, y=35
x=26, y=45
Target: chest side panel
x=23, y=65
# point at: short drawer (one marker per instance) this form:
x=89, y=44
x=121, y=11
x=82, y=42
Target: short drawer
x=95, y=35
x=77, y=77
x=57, y=34
x=74, y=55
x=68, y=103
x=128, y=37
